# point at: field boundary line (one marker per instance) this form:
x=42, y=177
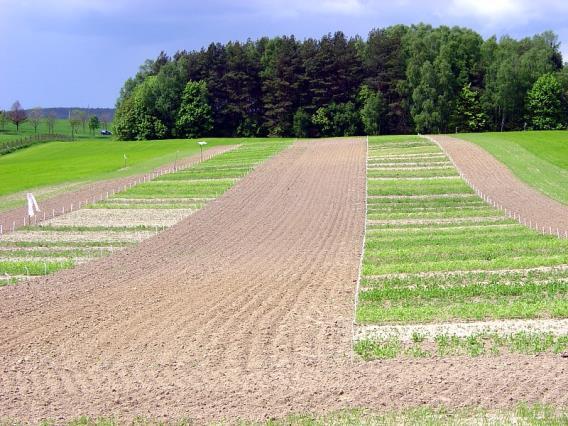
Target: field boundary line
x=360, y=268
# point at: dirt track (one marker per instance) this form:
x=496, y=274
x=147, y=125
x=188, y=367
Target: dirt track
x=242, y=310
x=497, y=182
x=64, y=202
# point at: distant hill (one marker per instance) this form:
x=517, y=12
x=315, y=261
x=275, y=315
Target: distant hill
x=63, y=113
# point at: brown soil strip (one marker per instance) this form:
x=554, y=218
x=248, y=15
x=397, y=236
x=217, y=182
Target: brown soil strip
x=242, y=310
x=64, y=202
x=497, y=182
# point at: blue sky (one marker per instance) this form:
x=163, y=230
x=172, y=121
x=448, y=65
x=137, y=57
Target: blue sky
x=79, y=52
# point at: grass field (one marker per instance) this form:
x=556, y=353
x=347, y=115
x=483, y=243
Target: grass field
x=61, y=127
x=540, y=159
x=436, y=253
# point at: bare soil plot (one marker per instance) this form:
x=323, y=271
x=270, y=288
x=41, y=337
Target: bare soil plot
x=244, y=309
x=497, y=182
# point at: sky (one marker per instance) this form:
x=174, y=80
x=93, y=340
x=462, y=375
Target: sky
x=78, y=53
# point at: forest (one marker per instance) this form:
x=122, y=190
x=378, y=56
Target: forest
x=399, y=80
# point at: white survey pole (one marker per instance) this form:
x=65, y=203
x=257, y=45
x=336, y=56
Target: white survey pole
x=33, y=208
x=201, y=145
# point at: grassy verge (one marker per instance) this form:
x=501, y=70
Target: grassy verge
x=16, y=267
x=539, y=159
x=449, y=345
x=523, y=414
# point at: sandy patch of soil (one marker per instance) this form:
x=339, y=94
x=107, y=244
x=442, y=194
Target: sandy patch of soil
x=120, y=217
x=69, y=236
x=557, y=327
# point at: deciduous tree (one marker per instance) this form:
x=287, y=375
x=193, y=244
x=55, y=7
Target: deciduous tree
x=194, y=117
x=83, y=118
x=94, y=123
x=74, y=122
x=372, y=111
x=51, y=119
x=17, y=115
x=35, y=117
x=544, y=104
x=469, y=111
x=3, y=120
x=301, y=123
x=135, y=118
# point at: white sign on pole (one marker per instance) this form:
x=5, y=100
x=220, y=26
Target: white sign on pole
x=33, y=208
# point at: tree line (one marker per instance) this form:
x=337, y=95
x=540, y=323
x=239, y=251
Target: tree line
x=399, y=80
x=77, y=118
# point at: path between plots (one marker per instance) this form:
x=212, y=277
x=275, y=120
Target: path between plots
x=497, y=182
x=58, y=205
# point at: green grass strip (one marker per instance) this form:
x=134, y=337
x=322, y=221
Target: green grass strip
x=483, y=344
x=33, y=267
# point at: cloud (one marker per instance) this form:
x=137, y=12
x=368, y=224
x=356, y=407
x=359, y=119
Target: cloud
x=43, y=34
x=490, y=9
x=301, y=7
x=512, y=13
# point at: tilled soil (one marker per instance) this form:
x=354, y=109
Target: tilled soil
x=496, y=181
x=242, y=310
x=58, y=205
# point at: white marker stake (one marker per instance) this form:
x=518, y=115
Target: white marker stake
x=32, y=204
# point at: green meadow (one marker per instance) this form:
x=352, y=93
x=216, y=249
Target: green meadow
x=61, y=127
x=540, y=159
x=50, y=166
